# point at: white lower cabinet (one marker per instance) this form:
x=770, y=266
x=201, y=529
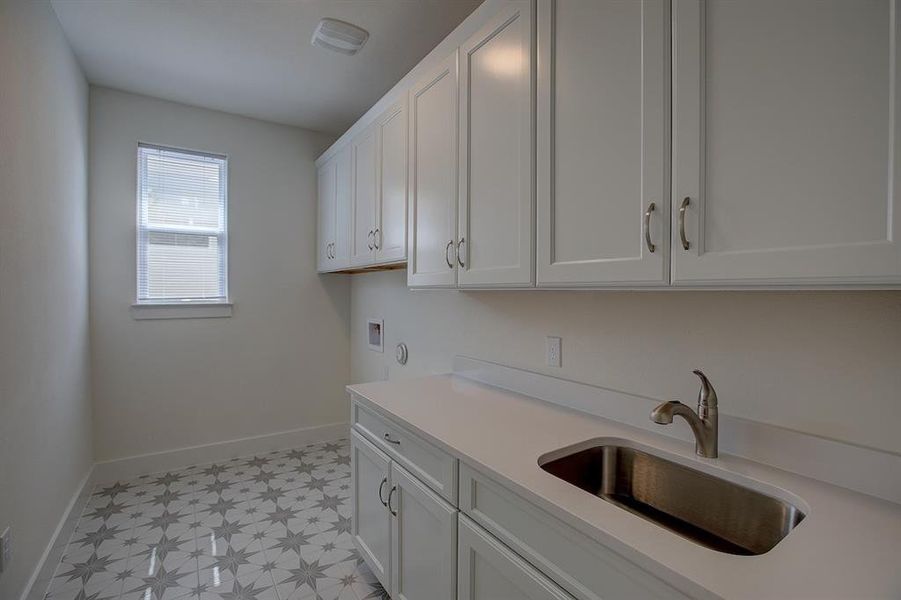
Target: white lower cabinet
x=405, y=532
x=488, y=570
x=424, y=541
x=371, y=473
x=424, y=535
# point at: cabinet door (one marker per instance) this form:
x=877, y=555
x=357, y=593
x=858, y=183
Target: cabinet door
x=371, y=473
x=495, y=238
x=433, y=178
x=344, y=194
x=391, y=208
x=488, y=570
x=326, y=178
x=786, y=129
x=424, y=532
x=365, y=189
x=602, y=154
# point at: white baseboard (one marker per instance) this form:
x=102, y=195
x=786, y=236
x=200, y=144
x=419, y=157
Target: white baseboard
x=145, y=464
x=46, y=566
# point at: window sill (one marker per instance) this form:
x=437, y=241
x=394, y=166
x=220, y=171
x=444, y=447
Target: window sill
x=215, y=310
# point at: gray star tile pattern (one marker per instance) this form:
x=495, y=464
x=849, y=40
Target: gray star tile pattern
x=271, y=527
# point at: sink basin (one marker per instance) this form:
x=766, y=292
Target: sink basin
x=710, y=511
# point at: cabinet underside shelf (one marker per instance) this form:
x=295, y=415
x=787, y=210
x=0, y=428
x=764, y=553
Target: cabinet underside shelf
x=388, y=267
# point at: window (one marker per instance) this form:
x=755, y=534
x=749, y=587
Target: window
x=182, y=231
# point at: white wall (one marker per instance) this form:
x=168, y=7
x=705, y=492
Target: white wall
x=827, y=363
x=45, y=412
x=281, y=361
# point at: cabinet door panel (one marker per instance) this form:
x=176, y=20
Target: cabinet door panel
x=344, y=194
x=603, y=131
x=785, y=134
x=371, y=472
x=433, y=178
x=490, y=571
x=425, y=541
x=496, y=182
x=391, y=209
x=365, y=189
x=326, y=177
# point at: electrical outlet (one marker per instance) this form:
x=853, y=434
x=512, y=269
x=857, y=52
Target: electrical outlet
x=6, y=549
x=554, y=357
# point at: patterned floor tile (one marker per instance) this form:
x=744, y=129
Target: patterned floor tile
x=274, y=526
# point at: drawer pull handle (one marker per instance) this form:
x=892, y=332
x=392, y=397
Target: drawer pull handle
x=447, y=248
x=460, y=252
x=390, y=441
x=647, y=227
x=382, y=485
x=685, y=243
x=390, y=494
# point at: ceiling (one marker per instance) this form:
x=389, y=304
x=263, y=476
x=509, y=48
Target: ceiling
x=254, y=57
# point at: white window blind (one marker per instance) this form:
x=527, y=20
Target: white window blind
x=182, y=230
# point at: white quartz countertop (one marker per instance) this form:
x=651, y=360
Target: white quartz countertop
x=848, y=545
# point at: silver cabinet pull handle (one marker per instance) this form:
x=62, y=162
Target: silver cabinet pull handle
x=377, y=239
x=390, y=494
x=460, y=252
x=328, y=250
x=447, y=248
x=369, y=237
x=389, y=440
x=647, y=227
x=382, y=485
x=685, y=203
x=332, y=250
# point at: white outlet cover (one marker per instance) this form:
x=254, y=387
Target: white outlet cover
x=554, y=351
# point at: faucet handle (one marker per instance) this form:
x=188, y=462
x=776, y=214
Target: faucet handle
x=706, y=395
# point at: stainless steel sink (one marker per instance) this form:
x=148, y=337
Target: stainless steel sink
x=710, y=511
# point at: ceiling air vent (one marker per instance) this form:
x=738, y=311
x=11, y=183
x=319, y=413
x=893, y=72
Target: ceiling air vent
x=339, y=36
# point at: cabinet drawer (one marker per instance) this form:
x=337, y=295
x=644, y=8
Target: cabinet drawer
x=432, y=466
x=582, y=566
x=489, y=571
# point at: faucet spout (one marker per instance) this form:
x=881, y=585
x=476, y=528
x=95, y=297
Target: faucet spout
x=704, y=423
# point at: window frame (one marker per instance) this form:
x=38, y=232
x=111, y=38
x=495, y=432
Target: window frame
x=163, y=308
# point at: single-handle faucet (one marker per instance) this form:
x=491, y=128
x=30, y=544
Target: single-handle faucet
x=704, y=423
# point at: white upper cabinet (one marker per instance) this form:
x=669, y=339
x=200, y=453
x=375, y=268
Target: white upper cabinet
x=390, y=234
x=365, y=157
x=432, y=229
x=327, y=181
x=785, y=134
x=334, y=181
x=602, y=154
x=344, y=193
x=636, y=143
x=496, y=202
